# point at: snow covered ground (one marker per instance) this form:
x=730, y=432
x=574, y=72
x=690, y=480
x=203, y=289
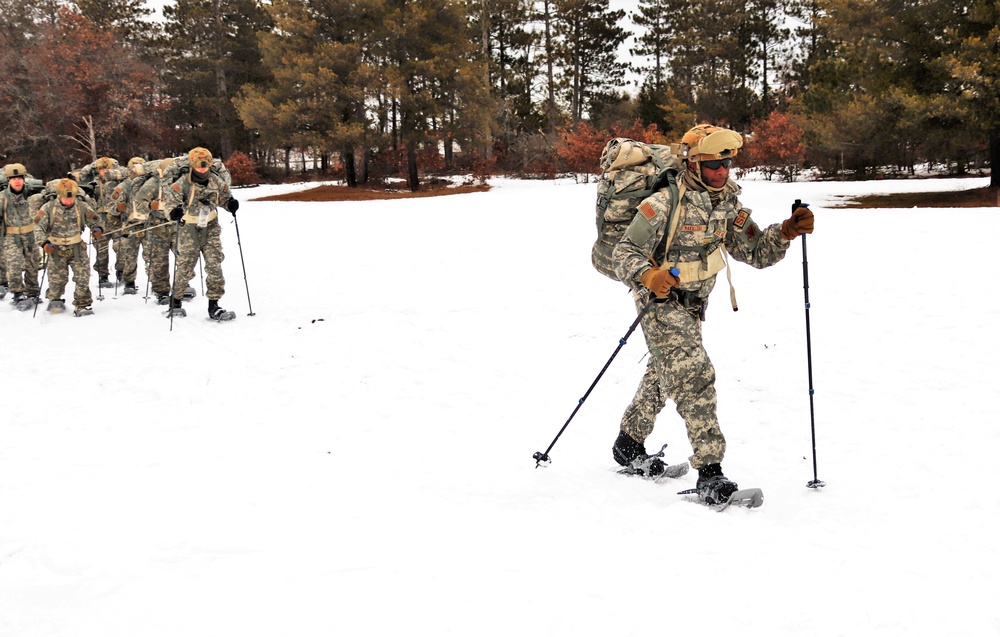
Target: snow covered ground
x=356, y=458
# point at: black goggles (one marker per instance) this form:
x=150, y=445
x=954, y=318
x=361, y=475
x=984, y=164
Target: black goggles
x=715, y=164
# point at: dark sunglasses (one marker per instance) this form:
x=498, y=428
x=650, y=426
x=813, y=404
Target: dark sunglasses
x=715, y=164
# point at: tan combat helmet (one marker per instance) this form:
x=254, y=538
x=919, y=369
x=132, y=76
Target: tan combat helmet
x=705, y=142
x=104, y=162
x=15, y=170
x=67, y=189
x=137, y=166
x=200, y=158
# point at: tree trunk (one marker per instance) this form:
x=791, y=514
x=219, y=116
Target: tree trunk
x=412, y=177
x=995, y=162
x=225, y=136
x=350, y=172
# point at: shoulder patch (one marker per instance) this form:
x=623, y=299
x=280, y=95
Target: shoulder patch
x=741, y=219
x=647, y=210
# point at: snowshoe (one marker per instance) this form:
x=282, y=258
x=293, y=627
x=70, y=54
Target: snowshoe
x=84, y=310
x=175, y=309
x=130, y=289
x=103, y=282
x=25, y=303
x=163, y=299
x=3, y=291
x=216, y=313
x=189, y=293
x=221, y=315
x=652, y=467
x=632, y=456
x=56, y=306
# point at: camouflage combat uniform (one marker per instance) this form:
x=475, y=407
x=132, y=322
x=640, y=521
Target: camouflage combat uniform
x=132, y=220
x=158, y=241
x=200, y=197
x=679, y=368
x=62, y=225
x=107, y=212
x=20, y=255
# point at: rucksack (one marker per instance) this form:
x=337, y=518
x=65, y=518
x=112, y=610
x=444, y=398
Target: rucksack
x=630, y=172
x=182, y=165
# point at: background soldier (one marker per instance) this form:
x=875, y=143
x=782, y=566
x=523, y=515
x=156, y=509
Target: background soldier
x=108, y=174
x=19, y=248
x=132, y=223
x=60, y=223
x=711, y=223
x=159, y=240
x=193, y=200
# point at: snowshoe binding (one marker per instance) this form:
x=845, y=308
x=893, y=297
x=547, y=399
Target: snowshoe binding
x=3, y=291
x=163, y=299
x=216, y=313
x=175, y=309
x=130, y=288
x=713, y=487
x=24, y=303
x=189, y=293
x=632, y=456
x=104, y=282
x=56, y=306
x=83, y=310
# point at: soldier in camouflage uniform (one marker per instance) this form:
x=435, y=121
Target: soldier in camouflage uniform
x=193, y=201
x=132, y=220
x=159, y=239
x=107, y=173
x=19, y=252
x=709, y=224
x=60, y=222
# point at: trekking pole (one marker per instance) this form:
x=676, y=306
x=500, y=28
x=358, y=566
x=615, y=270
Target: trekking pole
x=243, y=263
x=201, y=275
x=41, y=283
x=173, y=279
x=147, y=258
x=543, y=457
x=815, y=483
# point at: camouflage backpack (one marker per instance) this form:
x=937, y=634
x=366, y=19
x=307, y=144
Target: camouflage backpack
x=630, y=172
x=182, y=165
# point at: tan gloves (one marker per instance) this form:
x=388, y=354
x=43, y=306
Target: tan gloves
x=658, y=281
x=801, y=222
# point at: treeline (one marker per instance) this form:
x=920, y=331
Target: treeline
x=376, y=88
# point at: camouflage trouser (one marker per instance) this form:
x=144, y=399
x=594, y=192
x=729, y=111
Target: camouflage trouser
x=20, y=258
x=195, y=241
x=679, y=369
x=156, y=249
x=128, y=255
x=101, y=264
x=60, y=261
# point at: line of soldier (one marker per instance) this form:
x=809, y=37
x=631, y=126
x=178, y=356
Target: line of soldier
x=157, y=206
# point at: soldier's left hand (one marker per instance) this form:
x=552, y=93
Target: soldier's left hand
x=232, y=205
x=801, y=222
x=97, y=233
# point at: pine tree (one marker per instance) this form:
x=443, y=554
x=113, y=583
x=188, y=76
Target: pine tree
x=974, y=69
x=588, y=40
x=211, y=51
x=316, y=97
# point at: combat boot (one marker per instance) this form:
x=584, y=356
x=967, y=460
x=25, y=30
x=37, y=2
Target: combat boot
x=632, y=455
x=713, y=486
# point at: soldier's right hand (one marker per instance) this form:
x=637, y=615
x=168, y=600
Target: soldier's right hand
x=48, y=247
x=658, y=281
x=177, y=213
